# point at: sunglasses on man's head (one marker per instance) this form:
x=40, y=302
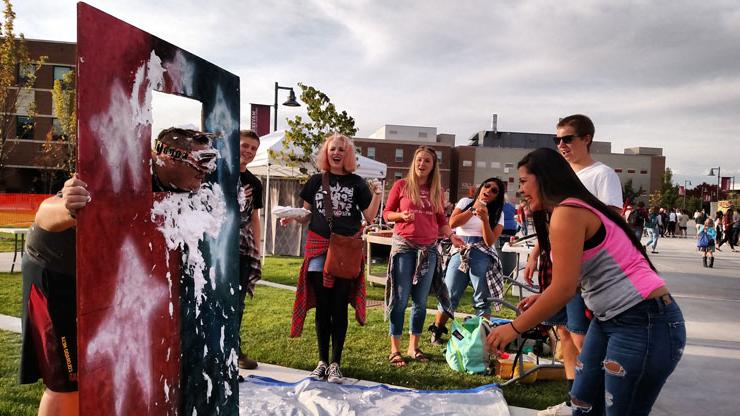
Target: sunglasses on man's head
x=566, y=139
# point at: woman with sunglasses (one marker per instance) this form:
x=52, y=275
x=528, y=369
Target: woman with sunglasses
x=638, y=334
x=415, y=206
x=479, y=222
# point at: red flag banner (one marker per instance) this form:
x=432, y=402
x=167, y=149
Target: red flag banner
x=725, y=183
x=260, y=119
x=681, y=190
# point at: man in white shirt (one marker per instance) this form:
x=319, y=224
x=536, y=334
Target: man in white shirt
x=573, y=140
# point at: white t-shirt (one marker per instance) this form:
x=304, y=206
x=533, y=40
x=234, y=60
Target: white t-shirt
x=603, y=182
x=672, y=217
x=474, y=226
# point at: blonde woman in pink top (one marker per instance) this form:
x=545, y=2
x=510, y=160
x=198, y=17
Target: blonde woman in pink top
x=638, y=334
x=414, y=267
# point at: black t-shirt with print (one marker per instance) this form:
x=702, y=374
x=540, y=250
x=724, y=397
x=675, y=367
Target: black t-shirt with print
x=351, y=196
x=247, y=178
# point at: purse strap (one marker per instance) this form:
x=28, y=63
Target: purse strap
x=328, y=206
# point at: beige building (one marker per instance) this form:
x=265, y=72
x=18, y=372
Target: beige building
x=644, y=166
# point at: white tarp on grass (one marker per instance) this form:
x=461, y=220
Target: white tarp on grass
x=260, y=396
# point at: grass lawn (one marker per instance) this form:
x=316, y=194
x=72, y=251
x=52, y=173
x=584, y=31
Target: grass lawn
x=266, y=326
x=284, y=270
x=11, y=288
x=15, y=399
x=6, y=243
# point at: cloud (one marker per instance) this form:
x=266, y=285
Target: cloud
x=660, y=74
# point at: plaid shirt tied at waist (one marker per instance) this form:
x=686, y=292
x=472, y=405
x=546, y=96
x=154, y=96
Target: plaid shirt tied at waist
x=494, y=272
x=401, y=245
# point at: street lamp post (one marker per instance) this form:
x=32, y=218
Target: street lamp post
x=290, y=103
x=684, y=192
x=719, y=178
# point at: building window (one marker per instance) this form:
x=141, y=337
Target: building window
x=630, y=171
x=371, y=152
x=422, y=135
x=495, y=165
x=397, y=175
x=480, y=164
x=439, y=155
x=511, y=179
x=25, y=72
x=24, y=127
x=399, y=155
x=643, y=171
x=59, y=72
x=618, y=170
x=467, y=163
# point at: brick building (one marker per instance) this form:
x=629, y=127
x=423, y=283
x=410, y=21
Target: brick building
x=498, y=153
x=25, y=170
x=395, y=145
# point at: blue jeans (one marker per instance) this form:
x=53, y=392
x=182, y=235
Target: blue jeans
x=457, y=281
x=653, y=234
x=403, y=275
x=626, y=360
x=572, y=316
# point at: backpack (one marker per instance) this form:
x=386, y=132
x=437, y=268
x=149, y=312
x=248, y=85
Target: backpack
x=467, y=350
x=703, y=240
x=635, y=218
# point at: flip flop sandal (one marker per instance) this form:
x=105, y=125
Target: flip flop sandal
x=420, y=356
x=396, y=359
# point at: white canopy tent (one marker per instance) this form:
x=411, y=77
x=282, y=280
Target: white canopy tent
x=264, y=165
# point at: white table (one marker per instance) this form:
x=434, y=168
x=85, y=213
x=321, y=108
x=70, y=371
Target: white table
x=19, y=236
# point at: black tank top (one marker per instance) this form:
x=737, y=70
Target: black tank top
x=53, y=250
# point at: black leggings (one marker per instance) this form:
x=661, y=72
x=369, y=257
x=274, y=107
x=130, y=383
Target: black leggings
x=331, y=315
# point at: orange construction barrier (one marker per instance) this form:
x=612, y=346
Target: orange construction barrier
x=18, y=210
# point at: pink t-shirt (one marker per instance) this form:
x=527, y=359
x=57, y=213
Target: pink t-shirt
x=425, y=227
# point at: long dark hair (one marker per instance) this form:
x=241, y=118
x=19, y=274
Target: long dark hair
x=496, y=206
x=557, y=181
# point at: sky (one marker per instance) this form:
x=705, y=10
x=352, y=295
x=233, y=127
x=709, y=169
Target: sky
x=662, y=73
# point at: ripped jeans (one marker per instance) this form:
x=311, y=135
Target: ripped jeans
x=626, y=360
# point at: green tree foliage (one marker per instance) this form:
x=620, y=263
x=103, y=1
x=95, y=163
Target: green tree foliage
x=14, y=62
x=59, y=151
x=629, y=193
x=308, y=135
x=63, y=143
x=667, y=195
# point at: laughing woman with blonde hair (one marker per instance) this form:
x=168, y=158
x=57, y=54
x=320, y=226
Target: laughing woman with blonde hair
x=349, y=198
x=416, y=207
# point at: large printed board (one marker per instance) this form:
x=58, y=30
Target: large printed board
x=156, y=291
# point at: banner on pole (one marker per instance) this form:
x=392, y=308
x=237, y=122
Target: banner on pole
x=260, y=119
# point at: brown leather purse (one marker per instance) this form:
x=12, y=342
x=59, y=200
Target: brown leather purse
x=344, y=256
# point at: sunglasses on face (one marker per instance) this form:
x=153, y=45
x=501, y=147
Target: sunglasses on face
x=566, y=139
x=200, y=160
x=489, y=187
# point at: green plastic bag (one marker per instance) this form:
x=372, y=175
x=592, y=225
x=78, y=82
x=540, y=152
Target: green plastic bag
x=467, y=350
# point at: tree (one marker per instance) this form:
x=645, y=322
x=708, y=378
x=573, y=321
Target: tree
x=628, y=192
x=306, y=135
x=667, y=195
x=60, y=147
x=14, y=60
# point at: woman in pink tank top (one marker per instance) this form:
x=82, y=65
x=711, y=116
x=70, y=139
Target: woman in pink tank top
x=638, y=334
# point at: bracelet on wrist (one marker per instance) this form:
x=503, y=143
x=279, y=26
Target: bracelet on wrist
x=514, y=328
